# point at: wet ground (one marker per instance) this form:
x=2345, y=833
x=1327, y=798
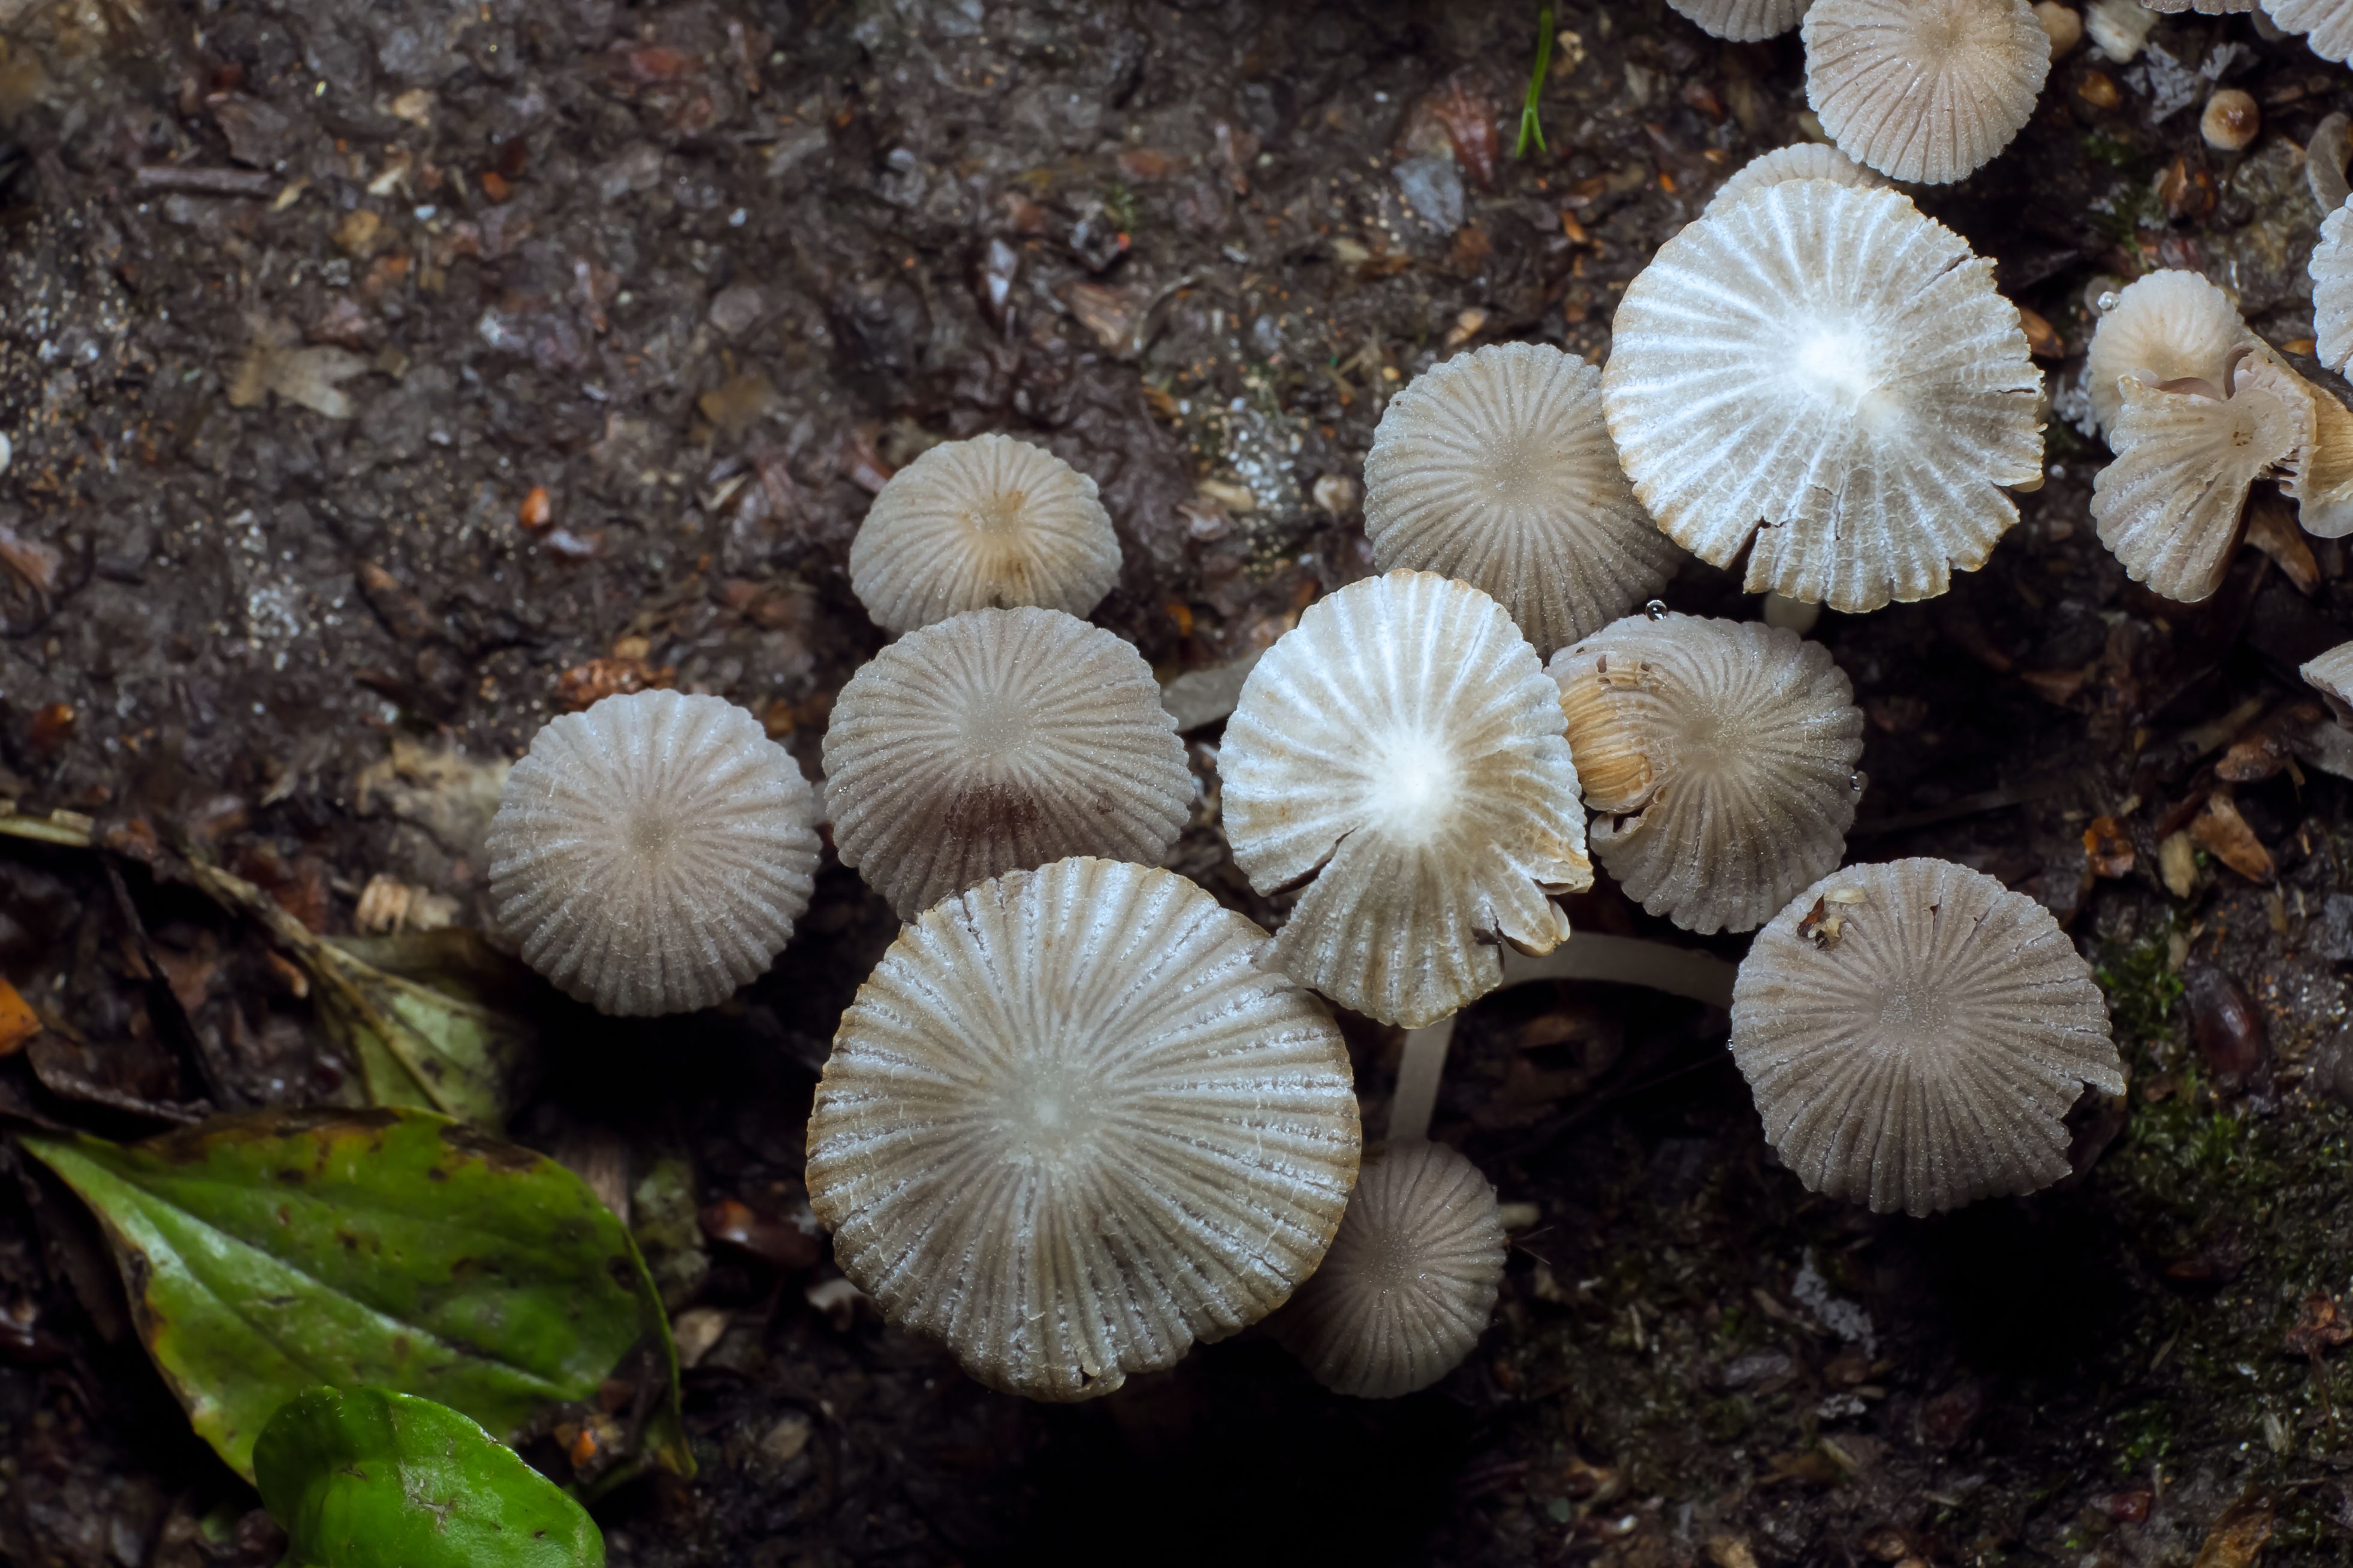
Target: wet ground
x=381, y=379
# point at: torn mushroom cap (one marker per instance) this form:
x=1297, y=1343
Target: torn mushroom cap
x=1923, y=90
x=2331, y=675
x=2168, y=326
x=2168, y=508
x=1926, y=1054
x=1497, y=468
x=651, y=854
x=1830, y=362
x=1803, y=160
x=2327, y=25
x=1073, y=1123
x=2317, y=474
x=991, y=522
x=994, y=741
x=1718, y=757
x=2332, y=290
x=1411, y=1279
x=1400, y=753
x=1743, y=21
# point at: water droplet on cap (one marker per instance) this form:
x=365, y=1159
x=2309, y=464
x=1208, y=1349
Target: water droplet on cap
x=2107, y=302
x=1656, y=609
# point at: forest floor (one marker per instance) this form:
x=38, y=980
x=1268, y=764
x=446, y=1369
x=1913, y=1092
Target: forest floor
x=383, y=379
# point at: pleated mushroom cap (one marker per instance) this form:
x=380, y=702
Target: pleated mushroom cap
x=2169, y=326
x=1803, y=161
x=1831, y=363
x=1496, y=467
x=1401, y=752
x=1411, y=1281
x=2332, y=290
x=2168, y=507
x=2331, y=675
x=997, y=740
x=2317, y=473
x=1074, y=1124
x=2327, y=25
x=1925, y=90
x=987, y=523
x=1927, y=1056
x=651, y=854
x=2203, y=7
x=1743, y=21
x=1718, y=758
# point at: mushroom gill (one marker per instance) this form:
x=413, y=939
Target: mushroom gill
x=2168, y=326
x=2168, y=508
x=1923, y=90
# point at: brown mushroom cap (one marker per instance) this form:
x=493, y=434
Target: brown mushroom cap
x=1925, y=90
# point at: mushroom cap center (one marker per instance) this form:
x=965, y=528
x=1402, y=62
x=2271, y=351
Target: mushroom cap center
x=1519, y=470
x=1913, y=1018
x=1050, y=1110
x=1837, y=363
x=651, y=834
x=1000, y=512
x=994, y=730
x=1416, y=778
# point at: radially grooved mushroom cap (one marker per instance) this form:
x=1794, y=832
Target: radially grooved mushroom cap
x=991, y=523
x=2327, y=25
x=1411, y=1279
x=1926, y=1054
x=1496, y=467
x=1742, y=21
x=1401, y=752
x=2168, y=326
x=996, y=741
x=1926, y=91
x=2203, y=7
x=1073, y=1123
x=2317, y=472
x=2332, y=290
x=1719, y=758
x=1801, y=161
x=1831, y=363
x=2331, y=675
x=2168, y=508
x=651, y=854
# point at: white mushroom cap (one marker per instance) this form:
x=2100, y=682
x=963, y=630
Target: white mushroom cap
x=2203, y=7
x=1074, y=1124
x=1801, y=161
x=1925, y=90
x=1743, y=21
x=996, y=741
x=1497, y=468
x=988, y=522
x=2169, y=506
x=1718, y=757
x=2327, y=25
x=2332, y=289
x=1831, y=364
x=2168, y=326
x=651, y=854
x=1929, y=1055
x=2317, y=473
x=2331, y=675
x=1401, y=751
x=1411, y=1279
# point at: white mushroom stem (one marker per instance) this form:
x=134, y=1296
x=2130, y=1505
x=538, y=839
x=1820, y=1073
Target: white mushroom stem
x=1587, y=955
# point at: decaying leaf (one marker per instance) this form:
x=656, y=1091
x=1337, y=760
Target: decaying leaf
x=2238, y=1536
x=17, y=1023
x=2109, y=852
x=2223, y=833
x=312, y=377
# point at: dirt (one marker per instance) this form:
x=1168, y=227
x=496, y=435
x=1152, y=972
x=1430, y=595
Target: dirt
x=453, y=364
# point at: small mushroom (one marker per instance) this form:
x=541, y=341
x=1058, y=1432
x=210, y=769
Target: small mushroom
x=1718, y=758
x=2317, y=473
x=1411, y=1279
x=1928, y=1056
x=1743, y=21
x=2230, y=120
x=1495, y=468
x=987, y=523
x=2064, y=23
x=2327, y=25
x=651, y=854
x=1827, y=362
x=1803, y=161
x=2331, y=269
x=2331, y=675
x=2169, y=326
x=1923, y=90
x=997, y=740
x=1399, y=756
x=1074, y=1124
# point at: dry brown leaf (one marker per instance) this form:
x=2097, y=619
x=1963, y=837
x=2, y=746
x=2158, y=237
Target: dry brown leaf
x=17, y=1023
x=2272, y=529
x=2238, y=1537
x=2225, y=834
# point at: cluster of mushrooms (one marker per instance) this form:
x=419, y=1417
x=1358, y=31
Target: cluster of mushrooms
x=1082, y=1116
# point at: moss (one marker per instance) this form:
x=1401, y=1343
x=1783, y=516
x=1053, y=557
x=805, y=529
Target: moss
x=2142, y=987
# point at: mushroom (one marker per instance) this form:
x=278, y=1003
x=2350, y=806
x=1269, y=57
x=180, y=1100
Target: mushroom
x=1718, y=758
x=1074, y=1123
x=1803, y=161
x=1411, y=1281
x=2331, y=675
x=651, y=854
x=991, y=522
x=2230, y=119
x=2168, y=326
x=2203, y=7
x=2317, y=473
x=2168, y=507
x=1829, y=362
x=1925, y=90
x=2331, y=269
x=2065, y=25
x=1399, y=755
x=2327, y=25
x=994, y=741
x=1915, y=1034
x=1743, y=21
x=1495, y=468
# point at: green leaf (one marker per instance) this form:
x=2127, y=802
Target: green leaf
x=267, y=1253
x=365, y=1477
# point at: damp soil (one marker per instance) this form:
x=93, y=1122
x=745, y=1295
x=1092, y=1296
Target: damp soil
x=382, y=379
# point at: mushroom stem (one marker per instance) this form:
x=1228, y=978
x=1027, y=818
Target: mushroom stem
x=1586, y=956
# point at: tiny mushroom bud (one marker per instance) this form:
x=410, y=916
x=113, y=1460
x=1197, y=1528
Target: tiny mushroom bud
x=1923, y=90
x=1743, y=21
x=2327, y=25
x=1925, y=1054
x=2063, y=23
x=651, y=854
x=1410, y=1280
x=2230, y=120
x=2168, y=326
x=1803, y=160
